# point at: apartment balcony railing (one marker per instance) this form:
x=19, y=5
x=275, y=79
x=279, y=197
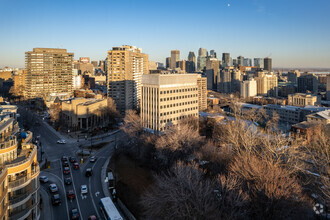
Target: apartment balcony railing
x=9, y=143
x=21, y=159
x=24, y=179
x=23, y=213
x=24, y=196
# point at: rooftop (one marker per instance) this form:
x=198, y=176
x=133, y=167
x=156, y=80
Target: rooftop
x=306, y=125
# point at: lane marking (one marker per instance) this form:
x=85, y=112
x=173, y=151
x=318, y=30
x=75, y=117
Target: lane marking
x=90, y=192
x=74, y=188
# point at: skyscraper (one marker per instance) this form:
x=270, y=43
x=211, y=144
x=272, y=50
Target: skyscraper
x=213, y=54
x=248, y=88
x=259, y=62
x=175, y=57
x=293, y=76
x=191, y=62
x=201, y=59
x=307, y=83
x=240, y=60
x=212, y=73
x=49, y=72
x=202, y=52
x=225, y=59
x=247, y=62
x=268, y=64
x=126, y=65
x=168, y=62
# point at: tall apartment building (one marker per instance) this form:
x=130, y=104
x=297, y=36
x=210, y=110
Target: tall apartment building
x=302, y=99
x=182, y=65
x=126, y=65
x=49, y=72
x=192, y=62
x=202, y=92
x=224, y=81
x=293, y=76
x=248, y=88
x=247, y=62
x=175, y=57
x=240, y=60
x=201, y=59
x=226, y=59
x=308, y=83
x=167, y=99
x=259, y=62
x=268, y=64
x=212, y=73
x=19, y=170
x=19, y=82
x=328, y=87
x=267, y=84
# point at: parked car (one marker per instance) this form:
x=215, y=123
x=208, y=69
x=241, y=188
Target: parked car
x=66, y=170
x=76, y=166
x=73, y=160
x=53, y=188
x=89, y=172
x=43, y=179
x=56, y=200
x=92, y=159
x=83, y=189
x=61, y=141
x=74, y=214
x=66, y=164
x=68, y=181
x=64, y=158
x=70, y=194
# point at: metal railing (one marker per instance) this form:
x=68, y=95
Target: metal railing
x=28, y=193
x=28, y=157
x=20, y=214
x=24, y=179
x=9, y=143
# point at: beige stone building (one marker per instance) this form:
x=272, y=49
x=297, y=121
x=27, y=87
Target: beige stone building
x=202, y=92
x=302, y=99
x=19, y=171
x=126, y=65
x=167, y=99
x=19, y=82
x=175, y=57
x=267, y=84
x=49, y=71
x=84, y=113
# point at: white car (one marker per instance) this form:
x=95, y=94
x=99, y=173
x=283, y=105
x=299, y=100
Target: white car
x=61, y=141
x=83, y=189
x=53, y=188
x=43, y=179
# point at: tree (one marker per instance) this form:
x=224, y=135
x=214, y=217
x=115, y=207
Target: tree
x=132, y=124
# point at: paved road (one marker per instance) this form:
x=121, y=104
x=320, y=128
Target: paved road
x=86, y=204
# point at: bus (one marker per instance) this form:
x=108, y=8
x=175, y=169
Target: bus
x=109, y=209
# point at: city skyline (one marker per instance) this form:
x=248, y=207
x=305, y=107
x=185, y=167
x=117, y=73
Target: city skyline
x=293, y=33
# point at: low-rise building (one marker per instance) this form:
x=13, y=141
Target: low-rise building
x=322, y=117
x=84, y=113
x=302, y=99
x=305, y=130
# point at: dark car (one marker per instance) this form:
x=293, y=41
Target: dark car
x=89, y=172
x=66, y=170
x=70, y=194
x=92, y=217
x=56, y=200
x=74, y=214
x=73, y=160
x=64, y=158
x=68, y=181
x=66, y=164
x=76, y=166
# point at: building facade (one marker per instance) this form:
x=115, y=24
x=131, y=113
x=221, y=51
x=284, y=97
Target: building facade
x=48, y=71
x=302, y=99
x=307, y=83
x=126, y=65
x=267, y=85
x=175, y=57
x=268, y=64
x=248, y=88
x=167, y=99
x=202, y=93
x=19, y=170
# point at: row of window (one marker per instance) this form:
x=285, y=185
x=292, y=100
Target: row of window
x=177, y=118
x=178, y=104
x=178, y=111
x=178, y=97
x=178, y=90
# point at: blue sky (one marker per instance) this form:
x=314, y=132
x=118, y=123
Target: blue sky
x=294, y=33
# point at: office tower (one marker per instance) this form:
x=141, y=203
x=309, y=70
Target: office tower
x=182, y=65
x=236, y=79
x=293, y=76
x=328, y=87
x=248, y=88
x=226, y=59
x=240, y=60
x=19, y=173
x=49, y=71
x=224, y=82
x=259, y=62
x=202, y=92
x=268, y=64
x=212, y=72
x=267, y=84
x=213, y=54
x=102, y=65
x=168, y=62
x=126, y=65
x=167, y=99
x=247, y=62
x=192, y=62
x=201, y=59
x=307, y=84
x=235, y=62
x=84, y=67
x=175, y=57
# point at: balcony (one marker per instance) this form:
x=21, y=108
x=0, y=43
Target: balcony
x=24, y=180
x=11, y=141
x=18, y=200
x=23, y=214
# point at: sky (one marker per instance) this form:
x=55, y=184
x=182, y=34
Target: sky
x=293, y=33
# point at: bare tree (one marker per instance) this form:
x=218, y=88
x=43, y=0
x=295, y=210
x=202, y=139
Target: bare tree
x=55, y=113
x=132, y=124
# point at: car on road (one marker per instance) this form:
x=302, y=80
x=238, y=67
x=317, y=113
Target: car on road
x=43, y=179
x=73, y=160
x=92, y=159
x=61, y=141
x=64, y=158
x=70, y=194
x=53, y=188
x=56, y=200
x=92, y=217
x=76, y=166
x=66, y=170
x=66, y=164
x=83, y=189
x=74, y=214
x=68, y=181
x=89, y=172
